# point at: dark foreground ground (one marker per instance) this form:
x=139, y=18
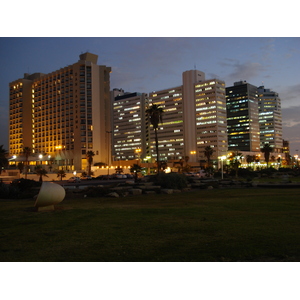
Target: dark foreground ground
x=201, y=225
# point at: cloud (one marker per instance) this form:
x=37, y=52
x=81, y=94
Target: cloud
x=267, y=49
x=291, y=127
x=290, y=116
x=290, y=95
x=242, y=71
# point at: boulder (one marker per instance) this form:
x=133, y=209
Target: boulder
x=135, y=191
x=113, y=194
x=167, y=191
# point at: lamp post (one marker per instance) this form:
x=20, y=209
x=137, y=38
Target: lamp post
x=296, y=160
x=222, y=158
x=108, y=148
x=15, y=159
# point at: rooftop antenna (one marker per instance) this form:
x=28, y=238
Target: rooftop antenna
x=194, y=66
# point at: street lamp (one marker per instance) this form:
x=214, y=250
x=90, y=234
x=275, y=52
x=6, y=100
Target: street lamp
x=296, y=159
x=108, y=150
x=14, y=158
x=222, y=158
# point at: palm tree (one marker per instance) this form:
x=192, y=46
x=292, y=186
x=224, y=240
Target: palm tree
x=40, y=172
x=267, y=149
x=20, y=167
x=208, y=152
x=135, y=169
x=3, y=158
x=235, y=157
x=26, y=152
x=61, y=174
x=249, y=159
x=89, y=156
x=155, y=114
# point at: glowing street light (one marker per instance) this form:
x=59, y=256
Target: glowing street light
x=222, y=158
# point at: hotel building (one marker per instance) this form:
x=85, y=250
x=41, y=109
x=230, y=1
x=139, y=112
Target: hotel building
x=63, y=114
x=194, y=117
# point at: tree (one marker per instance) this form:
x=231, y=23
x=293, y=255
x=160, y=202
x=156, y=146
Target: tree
x=235, y=158
x=267, y=149
x=61, y=174
x=135, y=169
x=249, y=159
x=3, y=158
x=89, y=156
x=208, y=152
x=27, y=153
x=40, y=172
x=155, y=114
x=20, y=167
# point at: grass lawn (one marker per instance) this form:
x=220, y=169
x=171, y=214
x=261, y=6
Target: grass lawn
x=200, y=225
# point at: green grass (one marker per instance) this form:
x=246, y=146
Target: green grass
x=202, y=225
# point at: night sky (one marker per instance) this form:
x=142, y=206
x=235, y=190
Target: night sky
x=153, y=63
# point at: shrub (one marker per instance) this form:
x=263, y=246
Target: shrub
x=96, y=191
x=8, y=191
x=25, y=184
x=171, y=181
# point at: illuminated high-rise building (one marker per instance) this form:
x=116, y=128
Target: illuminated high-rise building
x=270, y=119
x=129, y=138
x=194, y=117
x=242, y=117
x=63, y=114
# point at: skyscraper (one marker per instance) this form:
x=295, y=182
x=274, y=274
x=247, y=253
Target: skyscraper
x=242, y=117
x=129, y=138
x=270, y=119
x=194, y=118
x=63, y=114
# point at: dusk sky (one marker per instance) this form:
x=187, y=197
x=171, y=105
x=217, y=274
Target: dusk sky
x=153, y=63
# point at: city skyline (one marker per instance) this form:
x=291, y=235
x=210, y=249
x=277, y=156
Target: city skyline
x=149, y=64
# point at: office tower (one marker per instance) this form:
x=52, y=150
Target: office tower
x=129, y=127
x=171, y=130
x=63, y=114
x=194, y=117
x=270, y=119
x=242, y=117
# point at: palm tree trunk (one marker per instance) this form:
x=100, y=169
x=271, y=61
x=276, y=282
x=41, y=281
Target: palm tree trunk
x=26, y=168
x=157, y=154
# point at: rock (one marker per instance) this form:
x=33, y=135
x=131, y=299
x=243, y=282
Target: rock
x=167, y=191
x=150, y=192
x=113, y=194
x=135, y=191
x=130, y=182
